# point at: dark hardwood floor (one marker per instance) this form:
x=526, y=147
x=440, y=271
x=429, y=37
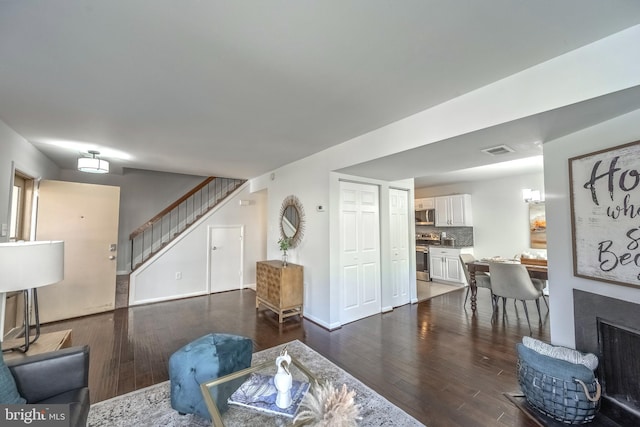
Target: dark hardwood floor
x=440, y=362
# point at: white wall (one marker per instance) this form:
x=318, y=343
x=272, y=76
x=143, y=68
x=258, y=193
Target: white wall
x=614, y=132
x=15, y=151
x=143, y=194
x=155, y=281
x=500, y=217
x=307, y=180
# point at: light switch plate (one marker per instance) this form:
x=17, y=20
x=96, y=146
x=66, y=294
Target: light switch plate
x=3, y=232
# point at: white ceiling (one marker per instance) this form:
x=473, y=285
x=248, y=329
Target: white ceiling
x=236, y=88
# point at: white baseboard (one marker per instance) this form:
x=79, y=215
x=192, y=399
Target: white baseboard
x=167, y=298
x=322, y=323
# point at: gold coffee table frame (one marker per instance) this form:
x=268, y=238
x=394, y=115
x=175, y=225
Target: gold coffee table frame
x=208, y=387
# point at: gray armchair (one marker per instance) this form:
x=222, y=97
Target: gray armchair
x=57, y=377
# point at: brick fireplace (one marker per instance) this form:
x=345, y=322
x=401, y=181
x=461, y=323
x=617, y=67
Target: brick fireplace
x=610, y=328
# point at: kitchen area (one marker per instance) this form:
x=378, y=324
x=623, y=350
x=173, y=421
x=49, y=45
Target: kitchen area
x=444, y=230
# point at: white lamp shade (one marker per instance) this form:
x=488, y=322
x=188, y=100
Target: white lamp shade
x=26, y=265
x=93, y=165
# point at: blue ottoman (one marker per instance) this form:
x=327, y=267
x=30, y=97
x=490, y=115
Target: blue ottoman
x=208, y=357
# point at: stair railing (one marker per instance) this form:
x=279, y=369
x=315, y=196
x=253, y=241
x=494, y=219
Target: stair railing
x=156, y=233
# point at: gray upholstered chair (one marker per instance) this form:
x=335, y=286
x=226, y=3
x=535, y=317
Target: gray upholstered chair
x=540, y=285
x=482, y=279
x=513, y=281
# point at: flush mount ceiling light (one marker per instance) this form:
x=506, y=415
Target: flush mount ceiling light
x=93, y=164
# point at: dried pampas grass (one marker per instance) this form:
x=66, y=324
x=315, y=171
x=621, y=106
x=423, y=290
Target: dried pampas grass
x=326, y=406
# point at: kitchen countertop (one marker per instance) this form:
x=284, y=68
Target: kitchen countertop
x=445, y=247
x=432, y=242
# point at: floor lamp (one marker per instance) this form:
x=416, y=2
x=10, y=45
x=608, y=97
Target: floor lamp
x=26, y=266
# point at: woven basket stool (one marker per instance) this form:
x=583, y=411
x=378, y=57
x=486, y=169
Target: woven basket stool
x=568, y=392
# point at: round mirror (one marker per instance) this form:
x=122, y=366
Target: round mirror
x=292, y=220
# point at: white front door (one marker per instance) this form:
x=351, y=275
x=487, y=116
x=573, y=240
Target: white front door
x=225, y=258
x=359, y=251
x=399, y=234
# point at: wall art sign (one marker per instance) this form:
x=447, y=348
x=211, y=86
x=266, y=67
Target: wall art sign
x=605, y=214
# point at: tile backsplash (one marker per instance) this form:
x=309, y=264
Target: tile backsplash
x=463, y=235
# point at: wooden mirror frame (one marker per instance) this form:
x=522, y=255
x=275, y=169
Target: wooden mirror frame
x=294, y=202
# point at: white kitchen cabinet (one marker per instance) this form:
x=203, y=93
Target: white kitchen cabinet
x=453, y=211
x=444, y=264
x=424, y=204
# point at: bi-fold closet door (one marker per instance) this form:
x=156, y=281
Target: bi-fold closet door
x=359, y=250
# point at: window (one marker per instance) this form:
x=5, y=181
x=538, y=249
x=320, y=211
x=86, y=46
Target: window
x=21, y=196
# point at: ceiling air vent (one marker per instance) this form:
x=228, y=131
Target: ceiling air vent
x=498, y=150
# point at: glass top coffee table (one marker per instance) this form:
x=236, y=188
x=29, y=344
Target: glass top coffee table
x=217, y=391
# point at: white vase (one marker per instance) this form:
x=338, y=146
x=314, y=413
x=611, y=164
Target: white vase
x=284, y=258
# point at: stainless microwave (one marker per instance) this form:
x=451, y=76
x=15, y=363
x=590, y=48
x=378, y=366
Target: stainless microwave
x=426, y=217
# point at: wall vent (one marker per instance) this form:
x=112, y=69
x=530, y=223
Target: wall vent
x=498, y=150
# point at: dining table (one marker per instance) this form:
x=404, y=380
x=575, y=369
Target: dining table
x=535, y=271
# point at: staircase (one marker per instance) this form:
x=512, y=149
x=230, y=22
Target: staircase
x=148, y=239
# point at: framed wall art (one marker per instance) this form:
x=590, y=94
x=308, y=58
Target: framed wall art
x=537, y=226
x=605, y=214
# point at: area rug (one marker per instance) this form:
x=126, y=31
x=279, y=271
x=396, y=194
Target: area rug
x=151, y=406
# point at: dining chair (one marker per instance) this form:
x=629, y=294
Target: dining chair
x=482, y=279
x=510, y=280
x=540, y=285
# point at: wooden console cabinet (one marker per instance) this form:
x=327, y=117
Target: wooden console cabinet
x=279, y=288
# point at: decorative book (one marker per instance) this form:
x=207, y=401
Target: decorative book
x=259, y=392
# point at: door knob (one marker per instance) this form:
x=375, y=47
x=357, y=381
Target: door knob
x=215, y=248
x=112, y=257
